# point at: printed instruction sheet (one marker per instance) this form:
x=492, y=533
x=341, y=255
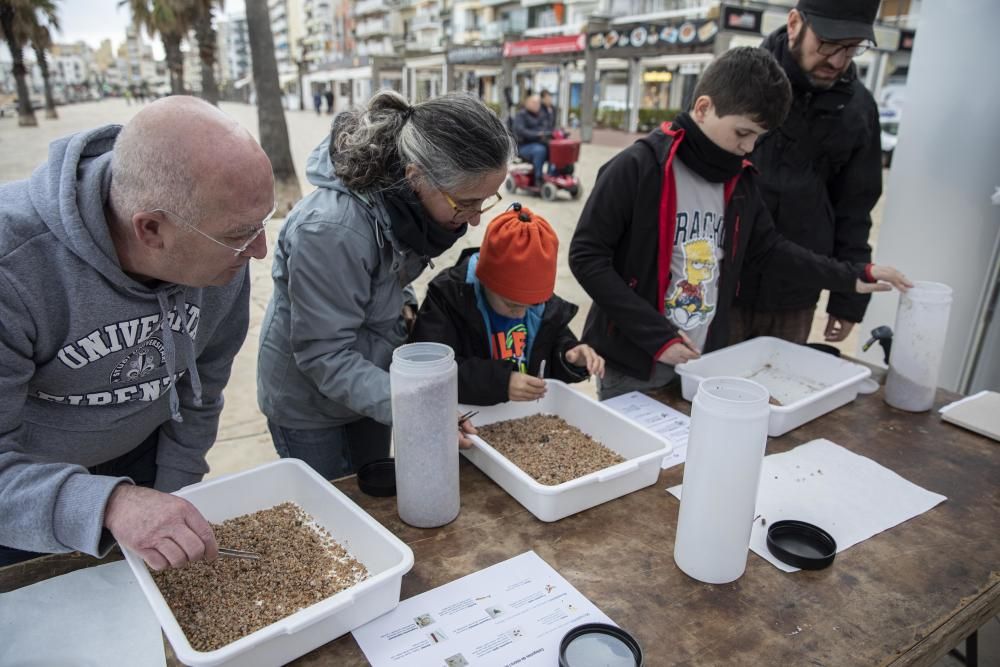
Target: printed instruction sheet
x=513, y=613
x=659, y=418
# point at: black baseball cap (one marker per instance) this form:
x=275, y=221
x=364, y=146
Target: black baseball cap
x=834, y=20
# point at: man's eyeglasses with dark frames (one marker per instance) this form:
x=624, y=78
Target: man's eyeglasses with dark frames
x=831, y=49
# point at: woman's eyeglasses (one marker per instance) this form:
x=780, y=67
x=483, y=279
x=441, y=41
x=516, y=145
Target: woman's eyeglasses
x=465, y=212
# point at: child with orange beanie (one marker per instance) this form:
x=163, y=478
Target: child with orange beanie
x=497, y=309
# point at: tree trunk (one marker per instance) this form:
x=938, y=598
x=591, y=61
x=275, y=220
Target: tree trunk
x=25, y=114
x=175, y=62
x=205, y=34
x=50, y=104
x=270, y=112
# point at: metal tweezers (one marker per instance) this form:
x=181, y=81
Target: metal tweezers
x=236, y=553
x=467, y=416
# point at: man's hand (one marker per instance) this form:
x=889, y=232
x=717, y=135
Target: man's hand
x=167, y=531
x=409, y=318
x=584, y=355
x=465, y=429
x=678, y=353
x=837, y=329
x=893, y=278
x=523, y=387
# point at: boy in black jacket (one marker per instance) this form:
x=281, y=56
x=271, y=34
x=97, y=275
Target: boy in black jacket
x=673, y=218
x=497, y=310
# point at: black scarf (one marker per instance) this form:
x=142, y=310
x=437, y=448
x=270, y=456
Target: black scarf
x=414, y=226
x=702, y=156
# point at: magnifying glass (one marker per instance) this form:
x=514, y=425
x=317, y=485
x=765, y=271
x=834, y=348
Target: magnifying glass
x=599, y=645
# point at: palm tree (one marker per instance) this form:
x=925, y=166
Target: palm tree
x=270, y=113
x=10, y=14
x=205, y=34
x=41, y=41
x=171, y=20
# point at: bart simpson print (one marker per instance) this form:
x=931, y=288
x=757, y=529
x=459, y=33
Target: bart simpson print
x=686, y=306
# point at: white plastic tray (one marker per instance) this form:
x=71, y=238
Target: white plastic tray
x=642, y=449
x=290, y=480
x=807, y=382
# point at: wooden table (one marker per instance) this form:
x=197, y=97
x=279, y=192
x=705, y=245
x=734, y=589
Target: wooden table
x=904, y=597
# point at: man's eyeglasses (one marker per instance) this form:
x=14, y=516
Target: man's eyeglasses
x=831, y=49
x=244, y=239
x=465, y=212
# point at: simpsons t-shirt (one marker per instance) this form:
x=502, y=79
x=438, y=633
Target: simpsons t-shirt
x=692, y=295
x=509, y=341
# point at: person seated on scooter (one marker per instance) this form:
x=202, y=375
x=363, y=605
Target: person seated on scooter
x=532, y=134
x=497, y=310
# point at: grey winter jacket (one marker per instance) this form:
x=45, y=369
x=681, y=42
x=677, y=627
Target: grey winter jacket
x=91, y=361
x=336, y=313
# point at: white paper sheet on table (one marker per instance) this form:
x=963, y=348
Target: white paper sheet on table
x=515, y=612
x=95, y=616
x=849, y=496
x=658, y=418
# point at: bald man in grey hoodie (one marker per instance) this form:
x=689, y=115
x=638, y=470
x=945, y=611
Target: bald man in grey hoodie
x=124, y=289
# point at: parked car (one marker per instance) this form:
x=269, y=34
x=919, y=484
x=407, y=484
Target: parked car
x=889, y=120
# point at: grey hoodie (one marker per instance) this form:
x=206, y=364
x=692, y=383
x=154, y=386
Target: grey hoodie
x=92, y=361
x=335, y=314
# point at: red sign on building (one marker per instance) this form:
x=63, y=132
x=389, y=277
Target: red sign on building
x=545, y=46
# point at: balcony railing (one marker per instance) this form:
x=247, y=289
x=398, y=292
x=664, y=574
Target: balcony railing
x=425, y=22
x=372, y=28
x=370, y=7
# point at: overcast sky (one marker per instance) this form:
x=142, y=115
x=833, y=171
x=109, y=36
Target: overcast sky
x=95, y=20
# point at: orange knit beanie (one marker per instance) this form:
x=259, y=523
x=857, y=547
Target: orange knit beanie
x=517, y=259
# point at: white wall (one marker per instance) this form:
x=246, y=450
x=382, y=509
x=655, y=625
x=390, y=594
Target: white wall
x=939, y=223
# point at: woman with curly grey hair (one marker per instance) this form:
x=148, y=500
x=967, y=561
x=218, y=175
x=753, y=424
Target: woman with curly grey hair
x=396, y=186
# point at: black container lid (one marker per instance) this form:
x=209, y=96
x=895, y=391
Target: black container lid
x=801, y=544
x=599, y=645
x=378, y=478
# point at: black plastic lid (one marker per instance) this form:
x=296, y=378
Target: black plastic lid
x=599, y=645
x=378, y=478
x=801, y=544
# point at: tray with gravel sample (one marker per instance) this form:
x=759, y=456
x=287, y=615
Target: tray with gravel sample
x=325, y=568
x=585, y=453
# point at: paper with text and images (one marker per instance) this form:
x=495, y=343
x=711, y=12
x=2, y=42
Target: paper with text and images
x=513, y=613
x=659, y=418
x=849, y=496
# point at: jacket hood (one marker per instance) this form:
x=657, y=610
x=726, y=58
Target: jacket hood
x=319, y=168
x=69, y=192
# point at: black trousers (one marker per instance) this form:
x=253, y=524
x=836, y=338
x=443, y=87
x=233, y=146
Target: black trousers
x=138, y=464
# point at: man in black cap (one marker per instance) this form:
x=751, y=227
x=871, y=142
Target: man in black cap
x=820, y=172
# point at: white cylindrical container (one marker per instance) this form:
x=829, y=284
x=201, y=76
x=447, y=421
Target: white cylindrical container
x=424, y=381
x=917, y=346
x=725, y=453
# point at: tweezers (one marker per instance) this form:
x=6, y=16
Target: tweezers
x=236, y=553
